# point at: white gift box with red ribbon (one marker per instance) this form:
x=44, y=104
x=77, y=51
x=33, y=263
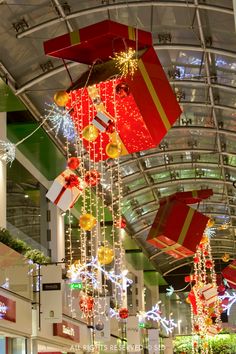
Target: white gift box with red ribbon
x=66, y=189
x=210, y=294
x=102, y=120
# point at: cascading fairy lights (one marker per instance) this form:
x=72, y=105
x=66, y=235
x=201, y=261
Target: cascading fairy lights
x=83, y=105
x=205, y=303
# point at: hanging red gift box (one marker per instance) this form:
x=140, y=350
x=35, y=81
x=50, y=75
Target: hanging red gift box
x=98, y=41
x=229, y=273
x=66, y=189
x=140, y=109
x=177, y=229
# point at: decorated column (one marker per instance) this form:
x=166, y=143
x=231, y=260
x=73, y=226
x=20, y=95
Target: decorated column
x=3, y=174
x=56, y=227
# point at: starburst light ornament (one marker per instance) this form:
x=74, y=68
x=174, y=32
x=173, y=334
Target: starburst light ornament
x=61, y=121
x=7, y=151
x=126, y=62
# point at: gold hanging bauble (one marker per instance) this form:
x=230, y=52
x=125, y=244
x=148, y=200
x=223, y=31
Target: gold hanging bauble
x=105, y=255
x=61, y=98
x=210, y=223
x=208, y=321
x=87, y=222
x=225, y=258
x=113, y=149
x=90, y=132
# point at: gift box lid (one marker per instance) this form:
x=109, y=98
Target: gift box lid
x=192, y=197
x=98, y=41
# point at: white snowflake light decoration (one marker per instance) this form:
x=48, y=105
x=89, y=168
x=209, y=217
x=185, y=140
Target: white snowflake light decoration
x=155, y=315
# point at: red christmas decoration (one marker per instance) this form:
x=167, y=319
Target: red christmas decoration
x=221, y=289
x=122, y=90
x=209, y=264
x=121, y=224
x=111, y=127
x=123, y=313
x=92, y=178
x=86, y=303
x=73, y=163
x=72, y=181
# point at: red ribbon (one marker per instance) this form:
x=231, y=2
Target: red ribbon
x=71, y=181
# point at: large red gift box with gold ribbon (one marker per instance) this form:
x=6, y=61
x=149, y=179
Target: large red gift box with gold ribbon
x=97, y=42
x=177, y=229
x=229, y=273
x=142, y=108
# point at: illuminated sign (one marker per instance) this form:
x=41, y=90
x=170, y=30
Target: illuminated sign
x=67, y=330
x=7, y=309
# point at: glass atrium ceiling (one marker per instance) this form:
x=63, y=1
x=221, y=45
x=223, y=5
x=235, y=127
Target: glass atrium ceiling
x=196, y=44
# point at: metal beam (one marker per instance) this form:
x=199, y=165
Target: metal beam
x=44, y=76
x=116, y=6
x=201, y=84
x=174, y=152
x=178, y=167
x=177, y=182
x=211, y=93
x=63, y=15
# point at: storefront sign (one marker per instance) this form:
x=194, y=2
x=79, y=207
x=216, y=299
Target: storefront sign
x=66, y=330
x=51, y=286
x=7, y=309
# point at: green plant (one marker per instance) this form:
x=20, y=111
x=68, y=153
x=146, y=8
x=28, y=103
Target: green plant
x=37, y=256
x=21, y=247
x=221, y=344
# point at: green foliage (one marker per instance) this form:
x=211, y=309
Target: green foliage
x=221, y=344
x=37, y=256
x=21, y=247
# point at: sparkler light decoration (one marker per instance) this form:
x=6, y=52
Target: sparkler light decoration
x=77, y=271
x=126, y=62
x=155, y=315
x=61, y=121
x=7, y=151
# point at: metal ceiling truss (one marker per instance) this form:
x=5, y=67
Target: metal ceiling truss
x=206, y=50
x=115, y=6
x=177, y=182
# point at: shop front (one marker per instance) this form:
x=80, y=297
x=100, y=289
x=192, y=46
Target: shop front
x=15, y=323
